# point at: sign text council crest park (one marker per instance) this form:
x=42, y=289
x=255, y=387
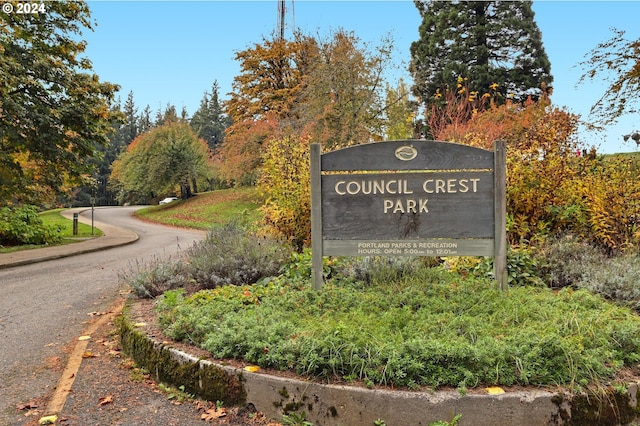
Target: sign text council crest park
x=409, y=198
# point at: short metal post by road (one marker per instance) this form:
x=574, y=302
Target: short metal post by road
x=75, y=224
x=93, y=204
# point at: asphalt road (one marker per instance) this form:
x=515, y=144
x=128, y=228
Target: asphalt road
x=45, y=306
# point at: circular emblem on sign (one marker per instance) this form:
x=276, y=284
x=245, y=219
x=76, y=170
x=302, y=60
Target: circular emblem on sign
x=406, y=153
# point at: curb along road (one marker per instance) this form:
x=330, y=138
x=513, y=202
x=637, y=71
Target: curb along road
x=112, y=237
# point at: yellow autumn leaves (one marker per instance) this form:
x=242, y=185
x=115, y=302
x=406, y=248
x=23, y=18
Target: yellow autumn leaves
x=462, y=88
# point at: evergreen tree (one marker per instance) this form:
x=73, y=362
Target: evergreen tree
x=170, y=115
x=488, y=43
x=122, y=133
x=184, y=115
x=100, y=189
x=209, y=121
x=131, y=128
x=121, y=136
x=144, y=122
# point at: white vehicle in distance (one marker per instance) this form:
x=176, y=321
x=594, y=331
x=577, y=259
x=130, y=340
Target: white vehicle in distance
x=168, y=200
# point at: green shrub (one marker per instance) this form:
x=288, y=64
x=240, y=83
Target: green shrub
x=232, y=254
x=523, y=268
x=23, y=225
x=565, y=260
x=153, y=279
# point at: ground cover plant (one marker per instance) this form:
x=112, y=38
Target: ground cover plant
x=430, y=327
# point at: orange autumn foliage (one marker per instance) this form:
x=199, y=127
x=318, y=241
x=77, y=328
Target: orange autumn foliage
x=555, y=184
x=240, y=156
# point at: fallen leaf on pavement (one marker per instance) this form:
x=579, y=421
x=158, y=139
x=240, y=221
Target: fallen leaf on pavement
x=84, y=337
x=213, y=414
x=26, y=406
x=48, y=420
x=106, y=400
x=495, y=390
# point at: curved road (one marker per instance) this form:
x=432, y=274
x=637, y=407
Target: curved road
x=45, y=306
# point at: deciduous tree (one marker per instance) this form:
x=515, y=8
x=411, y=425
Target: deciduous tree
x=400, y=112
x=163, y=161
x=54, y=110
x=240, y=155
x=272, y=75
x=344, y=96
x=616, y=61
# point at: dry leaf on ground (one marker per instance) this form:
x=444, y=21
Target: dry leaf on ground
x=106, y=400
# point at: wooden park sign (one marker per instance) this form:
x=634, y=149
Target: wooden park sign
x=409, y=198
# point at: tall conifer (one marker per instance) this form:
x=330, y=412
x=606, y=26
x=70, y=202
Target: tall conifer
x=486, y=43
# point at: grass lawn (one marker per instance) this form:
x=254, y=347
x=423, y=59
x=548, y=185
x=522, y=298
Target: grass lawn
x=53, y=217
x=207, y=209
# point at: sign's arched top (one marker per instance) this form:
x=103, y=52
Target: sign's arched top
x=407, y=155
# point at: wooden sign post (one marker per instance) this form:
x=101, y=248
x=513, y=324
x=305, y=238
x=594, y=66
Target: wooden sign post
x=409, y=198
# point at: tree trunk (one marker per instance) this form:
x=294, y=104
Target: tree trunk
x=185, y=191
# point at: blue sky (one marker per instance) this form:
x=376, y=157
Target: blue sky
x=172, y=51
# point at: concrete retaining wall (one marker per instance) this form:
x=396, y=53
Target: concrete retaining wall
x=337, y=405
